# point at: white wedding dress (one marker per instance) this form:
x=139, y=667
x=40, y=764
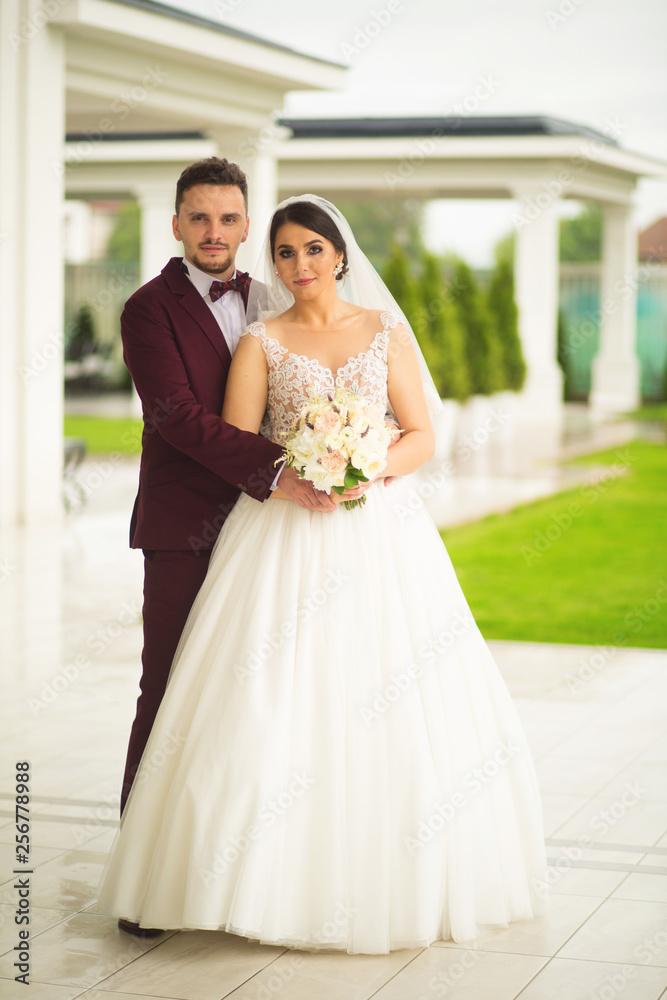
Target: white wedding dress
x=337, y=762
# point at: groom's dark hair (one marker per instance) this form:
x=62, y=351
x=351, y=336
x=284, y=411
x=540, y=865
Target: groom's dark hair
x=212, y=170
x=310, y=216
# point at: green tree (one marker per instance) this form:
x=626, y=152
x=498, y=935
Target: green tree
x=483, y=351
x=564, y=351
x=581, y=237
x=378, y=223
x=505, y=317
x=124, y=243
x=400, y=282
x=81, y=337
x=504, y=248
x=439, y=333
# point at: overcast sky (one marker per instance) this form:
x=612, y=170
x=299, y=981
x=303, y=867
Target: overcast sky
x=587, y=61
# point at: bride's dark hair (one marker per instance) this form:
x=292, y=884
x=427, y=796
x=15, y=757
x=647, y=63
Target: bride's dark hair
x=310, y=216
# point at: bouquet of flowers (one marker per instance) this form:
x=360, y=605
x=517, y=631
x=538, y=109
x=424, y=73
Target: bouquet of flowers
x=338, y=441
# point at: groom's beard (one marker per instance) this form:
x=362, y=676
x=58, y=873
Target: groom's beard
x=217, y=265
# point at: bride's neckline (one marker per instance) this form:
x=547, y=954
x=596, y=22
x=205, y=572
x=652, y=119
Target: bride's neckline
x=385, y=319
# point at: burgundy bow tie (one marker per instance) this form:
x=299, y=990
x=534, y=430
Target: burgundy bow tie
x=235, y=284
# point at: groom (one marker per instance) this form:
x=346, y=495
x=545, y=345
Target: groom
x=179, y=332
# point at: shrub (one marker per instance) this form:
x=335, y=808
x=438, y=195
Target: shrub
x=81, y=336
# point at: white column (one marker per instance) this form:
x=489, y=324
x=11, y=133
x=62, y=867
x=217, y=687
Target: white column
x=9, y=265
x=157, y=238
x=616, y=374
x=255, y=154
x=31, y=321
x=262, y=174
x=536, y=290
x=31, y=268
x=158, y=243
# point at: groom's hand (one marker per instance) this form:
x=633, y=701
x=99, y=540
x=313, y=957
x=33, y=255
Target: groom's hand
x=303, y=492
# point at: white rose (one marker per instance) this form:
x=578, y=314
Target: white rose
x=360, y=456
x=308, y=445
x=369, y=460
x=372, y=440
x=336, y=442
x=374, y=467
x=319, y=477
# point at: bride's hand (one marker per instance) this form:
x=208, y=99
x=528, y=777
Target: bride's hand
x=352, y=494
x=303, y=492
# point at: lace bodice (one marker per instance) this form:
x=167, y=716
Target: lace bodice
x=294, y=378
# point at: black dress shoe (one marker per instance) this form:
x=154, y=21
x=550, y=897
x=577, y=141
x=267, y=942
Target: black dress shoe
x=141, y=932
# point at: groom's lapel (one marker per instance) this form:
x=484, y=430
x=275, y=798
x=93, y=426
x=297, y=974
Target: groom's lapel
x=189, y=299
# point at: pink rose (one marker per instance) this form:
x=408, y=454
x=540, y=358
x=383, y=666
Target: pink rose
x=335, y=461
x=328, y=423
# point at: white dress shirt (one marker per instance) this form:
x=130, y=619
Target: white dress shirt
x=229, y=310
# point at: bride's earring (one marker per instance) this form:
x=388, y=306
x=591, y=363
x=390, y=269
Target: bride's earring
x=338, y=268
x=276, y=272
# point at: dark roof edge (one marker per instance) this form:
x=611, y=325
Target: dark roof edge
x=339, y=128
x=204, y=22
x=99, y=136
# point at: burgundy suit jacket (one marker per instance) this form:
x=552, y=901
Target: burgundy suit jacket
x=193, y=464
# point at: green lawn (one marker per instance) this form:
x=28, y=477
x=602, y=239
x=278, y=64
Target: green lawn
x=652, y=411
x=587, y=566
x=105, y=435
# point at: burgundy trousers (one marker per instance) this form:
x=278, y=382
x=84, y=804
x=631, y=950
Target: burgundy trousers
x=171, y=583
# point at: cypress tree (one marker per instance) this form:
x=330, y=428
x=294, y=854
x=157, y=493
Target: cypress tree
x=505, y=317
x=481, y=343
x=440, y=335
x=124, y=243
x=401, y=284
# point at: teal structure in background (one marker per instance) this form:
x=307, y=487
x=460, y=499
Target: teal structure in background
x=580, y=304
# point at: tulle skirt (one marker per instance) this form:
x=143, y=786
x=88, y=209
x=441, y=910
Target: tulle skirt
x=337, y=762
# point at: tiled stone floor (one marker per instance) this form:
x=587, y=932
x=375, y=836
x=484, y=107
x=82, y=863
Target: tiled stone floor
x=69, y=647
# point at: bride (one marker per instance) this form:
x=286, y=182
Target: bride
x=337, y=762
